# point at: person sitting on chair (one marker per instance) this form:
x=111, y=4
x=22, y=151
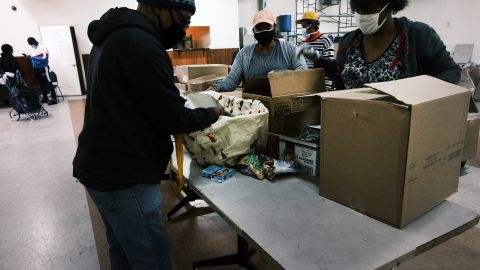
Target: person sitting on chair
x=40, y=67
x=9, y=63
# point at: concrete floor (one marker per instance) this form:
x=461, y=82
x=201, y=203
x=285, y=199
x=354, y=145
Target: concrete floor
x=48, y=222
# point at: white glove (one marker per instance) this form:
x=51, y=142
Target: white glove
x=308, y=52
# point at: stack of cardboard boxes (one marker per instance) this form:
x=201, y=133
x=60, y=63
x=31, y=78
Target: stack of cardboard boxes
x=199, y=77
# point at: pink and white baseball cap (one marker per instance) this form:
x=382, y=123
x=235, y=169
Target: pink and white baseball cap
x=264, y=16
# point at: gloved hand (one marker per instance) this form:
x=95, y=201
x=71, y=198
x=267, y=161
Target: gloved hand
x=308, y=52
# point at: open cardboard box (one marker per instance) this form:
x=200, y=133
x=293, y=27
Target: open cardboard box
x=393, y=150
x=283, y=93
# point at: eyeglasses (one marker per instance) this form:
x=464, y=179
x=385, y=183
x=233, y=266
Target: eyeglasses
x=263, y=27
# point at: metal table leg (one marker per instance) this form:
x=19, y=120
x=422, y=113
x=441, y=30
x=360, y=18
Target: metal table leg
x=242, y=258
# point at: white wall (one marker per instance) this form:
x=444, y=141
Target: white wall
x=246, y=11
x=220, y=15
x=75, y=13
x=456, y=21
x=16, y=26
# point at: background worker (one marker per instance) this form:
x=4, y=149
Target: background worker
x=41, y=68
x=313, y=37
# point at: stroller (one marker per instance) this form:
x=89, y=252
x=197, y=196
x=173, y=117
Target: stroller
x=24, y=100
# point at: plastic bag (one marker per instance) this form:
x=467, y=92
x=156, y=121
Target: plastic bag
x=243, y=131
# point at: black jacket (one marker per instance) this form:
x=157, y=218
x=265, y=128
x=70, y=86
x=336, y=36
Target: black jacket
x=8, y=63
x=132, y=105
x=421, y=51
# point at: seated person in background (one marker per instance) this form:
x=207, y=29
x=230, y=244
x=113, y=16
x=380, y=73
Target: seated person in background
x=8, y=62
x=314, y=38
x=259, y=59
x=386, y=48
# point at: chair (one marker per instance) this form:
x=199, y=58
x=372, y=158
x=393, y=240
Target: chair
x=54, y=81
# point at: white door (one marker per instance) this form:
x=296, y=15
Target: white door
x=59, y=42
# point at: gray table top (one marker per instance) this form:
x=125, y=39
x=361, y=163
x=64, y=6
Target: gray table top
x=294, y=226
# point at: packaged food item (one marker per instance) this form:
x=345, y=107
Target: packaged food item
x=258, y=166
x=286, y=166
x=222, y=174
x=207, y=172
x=310, y=134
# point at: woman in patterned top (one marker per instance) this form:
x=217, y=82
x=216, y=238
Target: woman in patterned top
x=386, y=48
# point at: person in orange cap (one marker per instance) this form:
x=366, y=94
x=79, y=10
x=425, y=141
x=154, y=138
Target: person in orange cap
x=313, y=37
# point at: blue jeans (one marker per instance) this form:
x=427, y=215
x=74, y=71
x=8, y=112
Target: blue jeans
x=135, y=232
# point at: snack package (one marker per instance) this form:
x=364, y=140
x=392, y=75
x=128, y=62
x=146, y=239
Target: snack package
x=222, y=175
x=208, y=172
x=257, y=165
x=286, y=166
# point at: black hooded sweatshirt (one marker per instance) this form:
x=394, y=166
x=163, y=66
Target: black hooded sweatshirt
x=8, y=62
x=132, y=105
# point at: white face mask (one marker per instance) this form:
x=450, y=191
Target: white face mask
x=368, y=23
x=305, y=34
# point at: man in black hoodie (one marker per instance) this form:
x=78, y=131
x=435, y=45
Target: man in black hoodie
x=132, y=109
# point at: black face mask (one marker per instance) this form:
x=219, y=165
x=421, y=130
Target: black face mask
x=265, y=37
x=175, y=33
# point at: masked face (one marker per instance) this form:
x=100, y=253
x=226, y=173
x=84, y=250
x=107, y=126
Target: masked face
x=264, y=33
x=305, y=33
x=177, y=30
x=264, y=38
x=368, y=23
x=33, y=46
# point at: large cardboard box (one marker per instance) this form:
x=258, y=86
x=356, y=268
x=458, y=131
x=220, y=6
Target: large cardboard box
x=393, y=151
x=283, y=93
x=471, y=136
x=184, y=73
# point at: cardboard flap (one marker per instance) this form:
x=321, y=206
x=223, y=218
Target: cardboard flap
x=417, y=90
x=361, y=96
x=207, y=78
x=334, y=94
x=290, y=82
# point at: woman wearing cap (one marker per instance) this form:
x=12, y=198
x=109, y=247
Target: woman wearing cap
x=259, y=59
x=386, y=48
x=314, y=38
